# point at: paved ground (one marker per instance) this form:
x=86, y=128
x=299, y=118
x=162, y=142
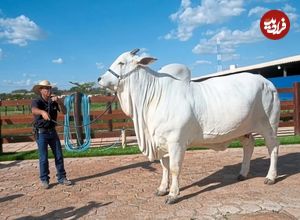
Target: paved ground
x=123, y=188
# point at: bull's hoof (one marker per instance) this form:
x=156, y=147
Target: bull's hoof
x=269, y=181
x=170, y=200
x=241, y=178
x=161, y=193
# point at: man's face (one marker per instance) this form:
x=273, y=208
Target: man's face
x=45, y=91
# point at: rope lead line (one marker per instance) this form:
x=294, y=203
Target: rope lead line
x=85, y=109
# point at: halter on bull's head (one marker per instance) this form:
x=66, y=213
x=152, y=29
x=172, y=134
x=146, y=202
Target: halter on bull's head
x=122, y=67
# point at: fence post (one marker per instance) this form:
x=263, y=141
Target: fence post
x=78, y=118
x=297, y=108
x=109, y=111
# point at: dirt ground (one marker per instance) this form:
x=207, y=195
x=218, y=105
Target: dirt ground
x=123, y=187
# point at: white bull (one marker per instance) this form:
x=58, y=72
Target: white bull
x=170, y=115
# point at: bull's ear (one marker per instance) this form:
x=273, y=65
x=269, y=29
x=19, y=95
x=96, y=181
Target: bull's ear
x=144, y=61
x=134, y=51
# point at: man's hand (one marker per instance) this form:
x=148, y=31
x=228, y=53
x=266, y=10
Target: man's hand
x=60, y=102
x=45, y=115
x=54, y=98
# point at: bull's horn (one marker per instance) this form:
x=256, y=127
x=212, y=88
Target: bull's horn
x=134, y=51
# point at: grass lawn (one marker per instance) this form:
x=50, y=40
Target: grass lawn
x=118, y=150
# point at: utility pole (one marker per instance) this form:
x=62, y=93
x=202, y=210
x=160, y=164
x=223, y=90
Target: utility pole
x=219, y=57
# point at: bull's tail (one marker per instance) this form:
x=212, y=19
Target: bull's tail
x=269, y=121
x=272, y=108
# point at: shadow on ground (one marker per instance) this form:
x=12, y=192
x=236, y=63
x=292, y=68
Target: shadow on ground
x=145, y=165
x=68, y=212
x=11, y=197
x=11, y=164
x=288, y=165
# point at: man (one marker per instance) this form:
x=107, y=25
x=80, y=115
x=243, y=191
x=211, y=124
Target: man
x=45, y=109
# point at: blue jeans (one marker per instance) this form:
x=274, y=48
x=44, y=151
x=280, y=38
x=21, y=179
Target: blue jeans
x=43, y=140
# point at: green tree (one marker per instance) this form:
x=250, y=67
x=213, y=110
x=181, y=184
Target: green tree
x=20, y=91
x=87, y=88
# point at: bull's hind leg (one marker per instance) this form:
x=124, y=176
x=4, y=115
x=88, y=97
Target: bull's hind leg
x=272, y=145
x=248, y=145
x=163, y=188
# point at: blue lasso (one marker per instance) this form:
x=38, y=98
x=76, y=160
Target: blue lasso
x=85, y=109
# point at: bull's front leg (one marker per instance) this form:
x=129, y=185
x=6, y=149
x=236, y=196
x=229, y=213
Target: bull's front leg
x=176, y=153
x=163, y=188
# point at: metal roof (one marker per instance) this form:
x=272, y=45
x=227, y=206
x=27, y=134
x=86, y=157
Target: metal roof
x=281, y=67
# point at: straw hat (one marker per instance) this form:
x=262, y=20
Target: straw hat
x=43, y=83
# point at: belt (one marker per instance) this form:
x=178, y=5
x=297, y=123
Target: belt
x=43, y=130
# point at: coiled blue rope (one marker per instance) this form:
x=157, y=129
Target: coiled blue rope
x=85, y=109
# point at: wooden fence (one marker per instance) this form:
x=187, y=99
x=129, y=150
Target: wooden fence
x=17, y=127
x=290, y=110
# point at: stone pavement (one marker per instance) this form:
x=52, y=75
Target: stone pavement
x=122, y=187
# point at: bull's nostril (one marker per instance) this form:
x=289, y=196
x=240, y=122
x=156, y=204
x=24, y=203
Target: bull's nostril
x=99, y=79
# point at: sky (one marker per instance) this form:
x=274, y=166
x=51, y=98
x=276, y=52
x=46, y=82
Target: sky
x=77, y=40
